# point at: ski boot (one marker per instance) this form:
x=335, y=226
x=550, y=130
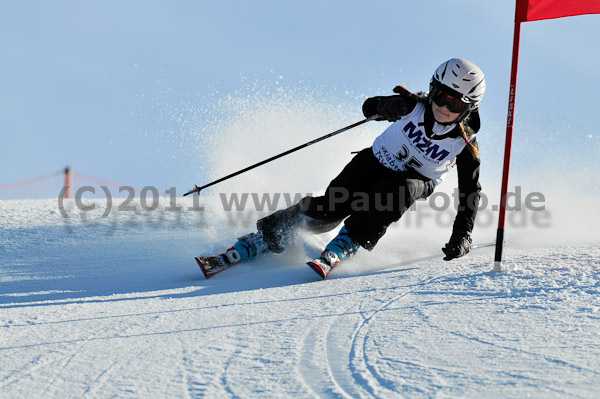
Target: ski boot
x=246, y=249
x=340, y=248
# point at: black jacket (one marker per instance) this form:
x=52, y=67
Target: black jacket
x=467, y=164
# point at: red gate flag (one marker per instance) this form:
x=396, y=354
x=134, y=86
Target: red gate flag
x=529, y=10
x=534, y=10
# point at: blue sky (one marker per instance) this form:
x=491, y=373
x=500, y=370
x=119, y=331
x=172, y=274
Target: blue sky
x=88, y=84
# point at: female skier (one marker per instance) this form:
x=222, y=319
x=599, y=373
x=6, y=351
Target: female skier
x=431, y=132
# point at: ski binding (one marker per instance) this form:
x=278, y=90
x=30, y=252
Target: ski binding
x=211, y=265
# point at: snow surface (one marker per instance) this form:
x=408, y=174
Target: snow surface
x=115, y=306
x=111, y=310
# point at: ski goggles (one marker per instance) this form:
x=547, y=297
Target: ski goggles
x=454, y=105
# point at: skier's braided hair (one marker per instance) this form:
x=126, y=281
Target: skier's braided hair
x=463, y=127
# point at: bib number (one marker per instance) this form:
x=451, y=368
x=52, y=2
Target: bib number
x=406, y=160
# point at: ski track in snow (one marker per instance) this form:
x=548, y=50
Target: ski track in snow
x=86, y=314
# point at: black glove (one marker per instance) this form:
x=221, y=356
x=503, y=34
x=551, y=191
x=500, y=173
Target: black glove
x=459, y=245
x=392, y=109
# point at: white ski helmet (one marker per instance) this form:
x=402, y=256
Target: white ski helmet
x=459, y=78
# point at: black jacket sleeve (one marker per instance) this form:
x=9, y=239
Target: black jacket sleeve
x=469, y=191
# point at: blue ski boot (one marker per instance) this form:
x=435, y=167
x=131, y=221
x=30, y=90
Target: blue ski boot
x=246, y=249
x=340, y=248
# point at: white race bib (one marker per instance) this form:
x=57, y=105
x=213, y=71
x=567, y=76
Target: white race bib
x=404, y=145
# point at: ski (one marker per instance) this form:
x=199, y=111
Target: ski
x=324, y=264
x=321, y=268
x=211, y=265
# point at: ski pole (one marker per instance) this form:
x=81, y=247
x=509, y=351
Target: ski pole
x=239, y=172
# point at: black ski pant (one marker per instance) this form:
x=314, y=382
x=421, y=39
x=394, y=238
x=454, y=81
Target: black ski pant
x=366, y=194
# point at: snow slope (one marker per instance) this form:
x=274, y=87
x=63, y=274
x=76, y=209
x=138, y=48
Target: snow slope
x=101, y=311
x=115, y=306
